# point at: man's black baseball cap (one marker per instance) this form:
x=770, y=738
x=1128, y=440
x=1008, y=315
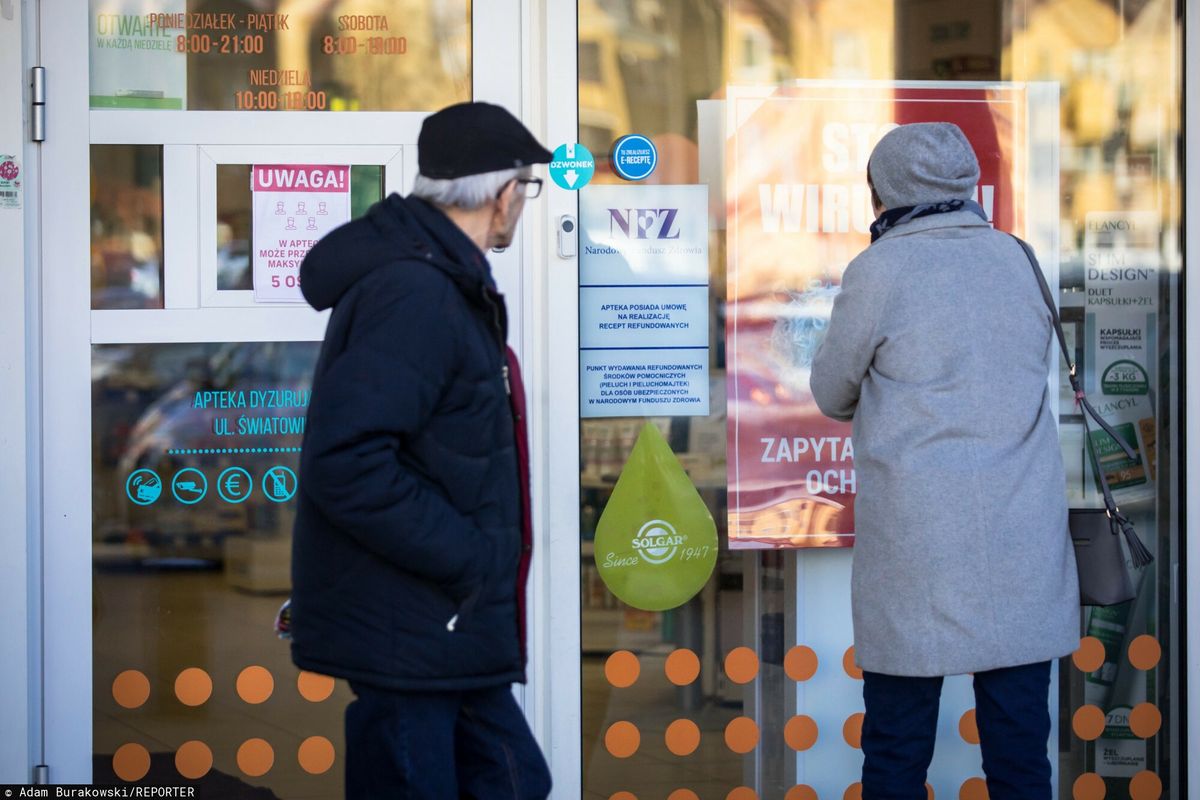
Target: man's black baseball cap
x=472, y=138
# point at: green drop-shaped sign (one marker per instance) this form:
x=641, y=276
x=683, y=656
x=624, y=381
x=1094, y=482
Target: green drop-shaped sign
x=656, y=542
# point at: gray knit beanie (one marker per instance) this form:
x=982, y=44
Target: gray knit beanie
x=925, y=162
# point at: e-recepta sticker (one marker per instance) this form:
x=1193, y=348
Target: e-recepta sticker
x=10, y=182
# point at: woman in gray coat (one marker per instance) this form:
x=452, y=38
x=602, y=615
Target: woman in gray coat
x=938, y=349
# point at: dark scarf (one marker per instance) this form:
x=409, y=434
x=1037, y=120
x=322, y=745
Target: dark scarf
x=898, y=216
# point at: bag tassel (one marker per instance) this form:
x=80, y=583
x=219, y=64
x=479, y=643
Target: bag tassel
x=1138, y=553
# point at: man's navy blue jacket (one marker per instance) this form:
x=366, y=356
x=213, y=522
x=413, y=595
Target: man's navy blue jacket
x=408, y=532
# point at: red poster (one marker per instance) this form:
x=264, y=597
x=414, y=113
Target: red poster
x=799, y=211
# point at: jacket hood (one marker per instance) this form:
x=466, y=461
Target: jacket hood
x=925, y=162
x=394, y=229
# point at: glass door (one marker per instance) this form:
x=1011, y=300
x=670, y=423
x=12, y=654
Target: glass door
x=757, y=118
x=197, y=150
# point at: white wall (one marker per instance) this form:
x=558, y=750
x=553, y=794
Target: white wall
x=15, y=756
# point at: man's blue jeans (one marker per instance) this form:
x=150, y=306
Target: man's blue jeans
x=1012, y=710
x=472, y=745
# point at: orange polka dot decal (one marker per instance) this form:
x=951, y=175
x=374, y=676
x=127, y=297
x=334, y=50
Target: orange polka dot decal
x=741, y=665
x=800, y=663
x=622, y=669
x=313, y=687
x=683, y=737
x=850, y=667
x=1090, y=655
x=852, y=731
x=1145, y=720
x=1088, y=723
x=853, y=792
x=316, y=755
x=800, y=733
x=973, y=789
x=131, y=762
x=131, y=689
x=968, y=729
x=742, y=793
x=683, y=794
x=193, y=687
x=682, y=667
x=1145, y=652
x=801, y=792
x=255, y=685
x=1089, y=786
x=741, y=735
x=255, y=757
x=193, y=760
x=1145, y=786
x=623, y=739
x=623, y=796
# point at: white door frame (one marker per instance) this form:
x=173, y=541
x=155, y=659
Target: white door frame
x=552, y=368
x=61, y=692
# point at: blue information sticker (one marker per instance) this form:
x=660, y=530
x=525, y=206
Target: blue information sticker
x=189, y=486
x=279, y=484
x=234, y=485
x=573, y=166
x=634, y=157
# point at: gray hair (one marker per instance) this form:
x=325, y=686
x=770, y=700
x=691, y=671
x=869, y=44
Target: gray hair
x=469, y=192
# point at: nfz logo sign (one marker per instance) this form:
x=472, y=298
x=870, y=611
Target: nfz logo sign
x=643, y=223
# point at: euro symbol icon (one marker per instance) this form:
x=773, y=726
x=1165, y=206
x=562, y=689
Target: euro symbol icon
x=232, y=484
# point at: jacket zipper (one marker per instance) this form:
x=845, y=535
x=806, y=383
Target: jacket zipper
x=499, y=331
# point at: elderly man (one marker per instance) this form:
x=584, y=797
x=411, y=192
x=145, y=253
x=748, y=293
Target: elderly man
x=412, y=537
x=939, y=350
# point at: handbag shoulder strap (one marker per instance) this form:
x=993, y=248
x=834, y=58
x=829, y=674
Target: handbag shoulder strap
x=1140, y=555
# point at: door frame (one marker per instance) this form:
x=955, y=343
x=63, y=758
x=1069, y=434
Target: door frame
x=60, y=643
x=552, y=365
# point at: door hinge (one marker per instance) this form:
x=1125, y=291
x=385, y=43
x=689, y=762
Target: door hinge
x=38, y=117
x=41, y=775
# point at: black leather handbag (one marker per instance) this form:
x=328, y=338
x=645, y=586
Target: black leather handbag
x=1096, y=532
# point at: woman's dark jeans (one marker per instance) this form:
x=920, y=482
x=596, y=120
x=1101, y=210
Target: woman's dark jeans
x=473, y=745
x=1012, y=709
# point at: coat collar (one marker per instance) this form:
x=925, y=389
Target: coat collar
x=954, y=219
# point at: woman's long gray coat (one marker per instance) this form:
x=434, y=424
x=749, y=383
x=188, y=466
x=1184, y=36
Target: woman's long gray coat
x=939, y=348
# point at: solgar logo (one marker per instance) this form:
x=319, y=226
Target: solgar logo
x=658, y=542
x=644, y=223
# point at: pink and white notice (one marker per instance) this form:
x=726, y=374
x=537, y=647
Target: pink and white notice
x=294, y=206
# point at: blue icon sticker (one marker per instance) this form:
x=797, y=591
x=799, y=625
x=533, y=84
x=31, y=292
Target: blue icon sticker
x=234, y=485
x=143, y=487
x=634, y=157
x=189, y=486
x=279, y=484
x=573, y=166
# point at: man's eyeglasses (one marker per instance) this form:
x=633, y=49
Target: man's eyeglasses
x=530, y=187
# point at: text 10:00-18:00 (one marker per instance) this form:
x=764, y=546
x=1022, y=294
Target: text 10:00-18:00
x=270, y=100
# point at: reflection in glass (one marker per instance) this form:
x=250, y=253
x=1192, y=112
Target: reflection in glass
x=193, y=458
x=235, y=212
x=280, y=55
x=127, y=226
x=666, y=69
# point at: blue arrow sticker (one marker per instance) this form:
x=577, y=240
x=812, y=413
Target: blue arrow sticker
x=573, y=166
x=634, y=157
